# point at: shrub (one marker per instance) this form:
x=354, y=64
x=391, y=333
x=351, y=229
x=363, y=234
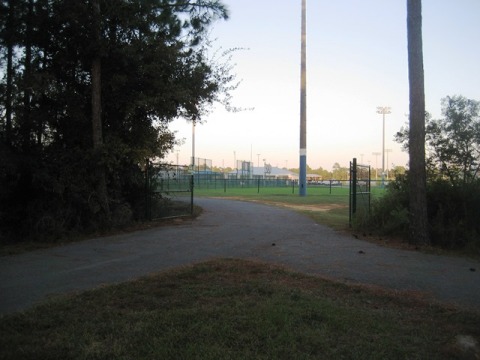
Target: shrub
x=389, y=214
x=453, y=213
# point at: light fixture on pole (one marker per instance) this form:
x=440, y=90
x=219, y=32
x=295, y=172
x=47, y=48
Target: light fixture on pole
x=384, y=110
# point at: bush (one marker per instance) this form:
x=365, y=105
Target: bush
x=453, y=213
x=389, y=214
x=52, y=196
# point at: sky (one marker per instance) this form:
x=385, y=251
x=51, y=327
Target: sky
x=356, y=62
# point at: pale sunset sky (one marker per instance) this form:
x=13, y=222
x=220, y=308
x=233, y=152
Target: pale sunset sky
x=356, y=61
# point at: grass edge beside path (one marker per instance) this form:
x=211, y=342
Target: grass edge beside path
x=237, y=309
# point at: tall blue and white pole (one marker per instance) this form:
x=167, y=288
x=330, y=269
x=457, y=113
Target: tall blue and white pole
x=302, y=180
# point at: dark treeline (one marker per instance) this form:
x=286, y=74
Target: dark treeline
x=87, y=91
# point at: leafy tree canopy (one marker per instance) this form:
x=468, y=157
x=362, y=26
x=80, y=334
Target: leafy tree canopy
x=453, y=142
x=156, y=66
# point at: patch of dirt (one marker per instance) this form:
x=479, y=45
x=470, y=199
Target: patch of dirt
x=317, y=207
x=387, y=241
x=300, y=207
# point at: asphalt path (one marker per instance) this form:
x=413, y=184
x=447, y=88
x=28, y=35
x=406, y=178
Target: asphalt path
x=235, y=229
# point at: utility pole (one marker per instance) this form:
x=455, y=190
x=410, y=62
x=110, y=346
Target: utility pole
x=384, y=110
x=302, y=179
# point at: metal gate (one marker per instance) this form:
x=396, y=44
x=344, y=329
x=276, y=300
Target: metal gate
x=168, y=190
x=359, y=189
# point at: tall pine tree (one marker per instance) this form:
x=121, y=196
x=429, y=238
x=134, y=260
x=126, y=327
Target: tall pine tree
x=417, y=176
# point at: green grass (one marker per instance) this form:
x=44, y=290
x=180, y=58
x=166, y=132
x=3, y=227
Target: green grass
x=269, y=191
x=234, y=309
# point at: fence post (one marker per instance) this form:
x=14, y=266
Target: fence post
x=258, y=186
x=147, y=190
x=354, y=187
x=352, y=191
x=369, y=189
x=191, y=193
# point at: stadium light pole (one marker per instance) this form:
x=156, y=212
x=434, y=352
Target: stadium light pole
x=384, y=110
x=388, y=151
x=302, y=179
x=235, y=163
x=376, y=163
x=192, y=183
x=176, y=171
x=193, y=145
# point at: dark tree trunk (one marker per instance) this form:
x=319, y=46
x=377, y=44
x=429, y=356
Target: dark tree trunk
x=96, y=103
x=97, y=136
x=96, y=80
x=27, y=90
x=9, y=90
x=417, y=175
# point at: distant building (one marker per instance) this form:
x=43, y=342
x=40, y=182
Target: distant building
x=265, y=172
x=314, y=178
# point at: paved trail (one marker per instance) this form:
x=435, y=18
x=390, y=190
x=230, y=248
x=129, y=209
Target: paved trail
x=234, y=229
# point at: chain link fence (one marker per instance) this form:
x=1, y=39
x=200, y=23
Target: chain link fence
x=360, y=190
x=168, y=190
